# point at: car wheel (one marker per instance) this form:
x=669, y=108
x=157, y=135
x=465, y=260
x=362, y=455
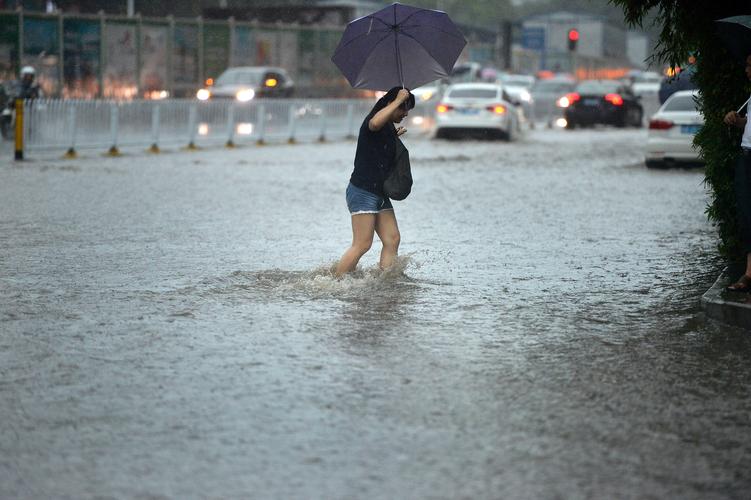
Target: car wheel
x=570, y=124
x=637, y=123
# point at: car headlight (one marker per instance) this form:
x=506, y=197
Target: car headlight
x=203, y=94
x=245, y=95
x=525, y=96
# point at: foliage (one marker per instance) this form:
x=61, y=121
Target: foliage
x=605, y=9
x=687, y=27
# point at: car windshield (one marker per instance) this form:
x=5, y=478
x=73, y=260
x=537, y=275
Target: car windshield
x=597, y=87
x=240, y=77
x=477, y=93
x=680, y=103
x=517, y=81
x=648, y=78
x=552, y=87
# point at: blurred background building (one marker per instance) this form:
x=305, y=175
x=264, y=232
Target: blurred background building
x=139, y=48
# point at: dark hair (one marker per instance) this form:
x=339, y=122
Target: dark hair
x=389, y=97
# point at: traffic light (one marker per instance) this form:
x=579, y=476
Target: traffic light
x=573, y=38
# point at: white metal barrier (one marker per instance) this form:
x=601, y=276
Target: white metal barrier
x=73, y=125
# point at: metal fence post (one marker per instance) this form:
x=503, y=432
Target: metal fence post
x=170, y=55
x=155, y=123
x=201, y=73
x=350, y=121
x=114, y=122
x=230, y=126
x=322, y=137
x=21, y=47
x=71, y=153
x=192, y=117
x=102, y=53
x=60, y=54
x=261, y=124
x=139, y=55
x=292, y=124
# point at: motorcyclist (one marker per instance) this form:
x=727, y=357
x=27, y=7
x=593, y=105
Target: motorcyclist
x=28, y=88
x=25, y=88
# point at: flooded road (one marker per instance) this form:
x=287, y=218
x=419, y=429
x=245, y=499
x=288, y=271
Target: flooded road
x=169, y=328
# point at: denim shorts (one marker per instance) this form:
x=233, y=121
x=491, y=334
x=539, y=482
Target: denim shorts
x=360, y=201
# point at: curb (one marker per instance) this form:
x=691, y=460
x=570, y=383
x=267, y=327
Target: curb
x=727, y=307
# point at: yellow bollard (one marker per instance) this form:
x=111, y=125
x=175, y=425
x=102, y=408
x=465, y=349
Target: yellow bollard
x=19, y=129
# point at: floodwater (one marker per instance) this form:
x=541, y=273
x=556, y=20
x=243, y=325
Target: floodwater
x=169, y=328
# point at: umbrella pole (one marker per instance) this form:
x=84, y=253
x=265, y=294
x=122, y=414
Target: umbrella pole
x=398, y=58
x=743, y=105
x=398, y=54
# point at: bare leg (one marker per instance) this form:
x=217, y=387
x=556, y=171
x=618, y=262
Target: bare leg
x=362, y=238
x=748, y=264
x=388, y=232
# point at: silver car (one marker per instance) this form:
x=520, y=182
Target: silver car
x=245, y=83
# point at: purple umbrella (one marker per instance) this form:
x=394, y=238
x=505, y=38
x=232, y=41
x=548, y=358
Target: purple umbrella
x=398, y=46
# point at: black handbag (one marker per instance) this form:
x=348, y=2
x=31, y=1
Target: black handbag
x=398, y=184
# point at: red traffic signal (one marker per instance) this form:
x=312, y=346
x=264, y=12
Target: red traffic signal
x=573, y=38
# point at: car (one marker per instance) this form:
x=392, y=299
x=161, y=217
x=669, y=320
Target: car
x=518, y=88
x=476, y=109
x=683, y=80
x=466, y=72
x=607, y=102
x=245, y=83
x=426, y=98
x=646, y=84
x=545, y=93
x=671, y=132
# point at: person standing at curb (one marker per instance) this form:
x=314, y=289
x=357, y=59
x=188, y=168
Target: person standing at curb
x=370, y=208
x=743, y=187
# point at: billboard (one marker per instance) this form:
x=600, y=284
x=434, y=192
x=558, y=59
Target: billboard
x=81, y=42
x=153, y=59
x=121, y=67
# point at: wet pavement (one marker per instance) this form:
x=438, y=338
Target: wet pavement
x=169, y=328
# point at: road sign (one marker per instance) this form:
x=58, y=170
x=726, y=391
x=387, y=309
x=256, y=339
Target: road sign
x=533, y=38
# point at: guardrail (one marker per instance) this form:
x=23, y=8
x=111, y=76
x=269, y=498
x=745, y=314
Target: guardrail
x=69, y=126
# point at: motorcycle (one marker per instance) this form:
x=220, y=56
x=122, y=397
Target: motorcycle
x=6, y=115
x=8, y=119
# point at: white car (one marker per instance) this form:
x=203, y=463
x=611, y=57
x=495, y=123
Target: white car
x=646, y=84
x=477, y=109
x=518, y=87
x=671, y=131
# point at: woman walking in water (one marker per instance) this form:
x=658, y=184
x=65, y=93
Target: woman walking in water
x=370, y=208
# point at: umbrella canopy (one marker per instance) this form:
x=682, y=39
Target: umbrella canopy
x=736, y=33
x=399, y=45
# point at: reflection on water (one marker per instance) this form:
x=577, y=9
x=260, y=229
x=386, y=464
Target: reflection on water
x=177, y=321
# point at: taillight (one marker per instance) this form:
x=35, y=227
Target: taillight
x=614, y=99
x=498, y=109
x=442, y=108
x=660, y=124
x=568, y=99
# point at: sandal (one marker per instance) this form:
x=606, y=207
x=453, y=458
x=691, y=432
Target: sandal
x=742, y=285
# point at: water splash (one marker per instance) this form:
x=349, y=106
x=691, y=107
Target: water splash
x=317, y=283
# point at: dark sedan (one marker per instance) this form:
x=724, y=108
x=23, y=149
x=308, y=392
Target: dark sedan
x=601, y=101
